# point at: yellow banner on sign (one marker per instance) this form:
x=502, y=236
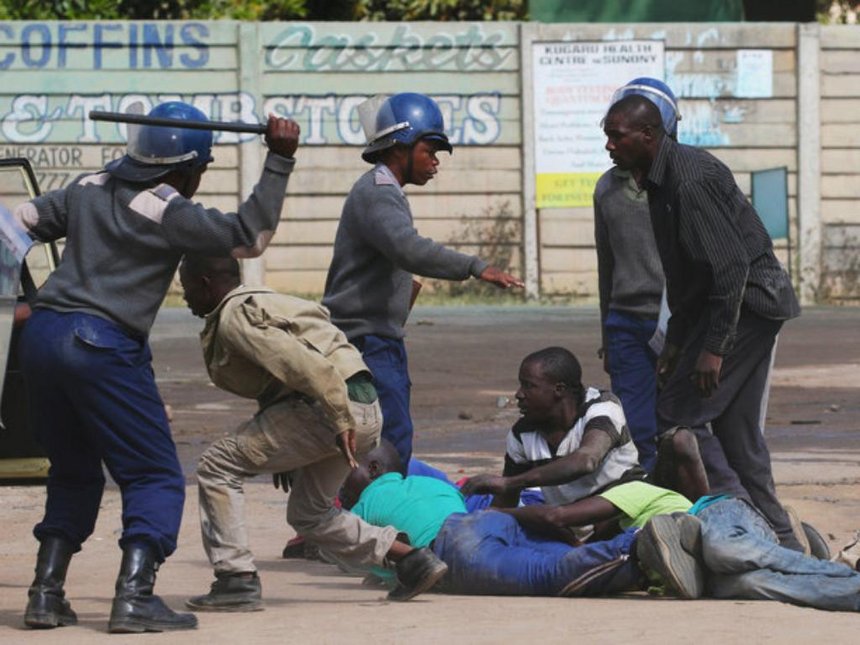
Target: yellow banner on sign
x=564, y=189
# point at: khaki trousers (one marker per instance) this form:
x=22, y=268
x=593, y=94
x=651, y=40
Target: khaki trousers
x=290, y=435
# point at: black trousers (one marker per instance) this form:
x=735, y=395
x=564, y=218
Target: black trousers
x=728, y=423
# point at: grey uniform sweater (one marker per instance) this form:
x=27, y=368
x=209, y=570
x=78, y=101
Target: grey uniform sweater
x=123, y=243
x=630, y=275
x=376, y=251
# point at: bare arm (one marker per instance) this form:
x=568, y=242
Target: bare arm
x=549, y=519
x=583, y=461
x=506, y=500
x=679, y=464
x=596, y=443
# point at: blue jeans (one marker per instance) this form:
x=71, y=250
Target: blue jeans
x=92, y=398
x=632, y=371
x=488, y=552
x=386, y=358
x=743, y=556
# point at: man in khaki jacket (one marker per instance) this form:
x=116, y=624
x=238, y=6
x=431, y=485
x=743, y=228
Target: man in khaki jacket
x=318, y=409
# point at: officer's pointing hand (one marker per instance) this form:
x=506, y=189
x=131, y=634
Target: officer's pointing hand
x=494, y=275
x=282, y=136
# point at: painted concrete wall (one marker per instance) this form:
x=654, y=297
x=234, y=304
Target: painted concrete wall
x=54, y=73
x=701, y=67
x=840, y=163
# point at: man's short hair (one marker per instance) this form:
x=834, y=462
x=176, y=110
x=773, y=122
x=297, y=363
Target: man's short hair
x=203, y=265
x=640, y=111
x=387, y=456
x=560, y=366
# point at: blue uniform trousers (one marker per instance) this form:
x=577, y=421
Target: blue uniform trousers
x=488, y=552
x=386, y=358
x=632, y=371
x=92, y=399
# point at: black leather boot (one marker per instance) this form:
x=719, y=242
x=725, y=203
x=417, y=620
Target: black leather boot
x=135, y=608
x=47, y=606
x=417, y=572
x=230, y=592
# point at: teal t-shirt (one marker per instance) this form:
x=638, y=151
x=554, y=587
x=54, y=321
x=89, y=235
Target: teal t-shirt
x=417, y=506
x=640, y=502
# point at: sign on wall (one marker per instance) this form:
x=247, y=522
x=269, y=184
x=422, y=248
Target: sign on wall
x=755, y=73
x=54, y=73
x=573, y=83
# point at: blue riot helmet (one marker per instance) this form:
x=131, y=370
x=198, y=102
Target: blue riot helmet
x=153, y=151
x=401, y=119
x=659, y=94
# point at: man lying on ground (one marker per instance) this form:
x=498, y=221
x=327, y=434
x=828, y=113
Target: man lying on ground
x=298, y=547
x=487, y=552
x=476, y=501
x=721, y=546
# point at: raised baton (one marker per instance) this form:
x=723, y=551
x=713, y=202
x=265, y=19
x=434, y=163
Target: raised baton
x=142, y=119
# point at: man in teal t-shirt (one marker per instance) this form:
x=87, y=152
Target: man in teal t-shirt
x=487, y=552
x=415, y=505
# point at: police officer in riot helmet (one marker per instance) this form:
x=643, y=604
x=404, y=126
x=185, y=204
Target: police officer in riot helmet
x=174, y=156
x=86, y=360
x=369, y=288
x=409, y=133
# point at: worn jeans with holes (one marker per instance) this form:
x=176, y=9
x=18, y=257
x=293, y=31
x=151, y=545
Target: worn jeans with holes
x=92, y=398
x=293, y=436
x=745, y=560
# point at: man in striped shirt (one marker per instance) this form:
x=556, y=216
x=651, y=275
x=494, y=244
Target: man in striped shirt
x=728, y=294
x=572, y=441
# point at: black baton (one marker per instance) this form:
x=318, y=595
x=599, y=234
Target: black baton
x=224, y=126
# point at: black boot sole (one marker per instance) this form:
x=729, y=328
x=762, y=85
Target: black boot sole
x=49, y=621
x=236, y=607
x=402, y=594
x=139, y=627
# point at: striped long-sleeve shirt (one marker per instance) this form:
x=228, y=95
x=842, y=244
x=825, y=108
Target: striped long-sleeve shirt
x=716, y=253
